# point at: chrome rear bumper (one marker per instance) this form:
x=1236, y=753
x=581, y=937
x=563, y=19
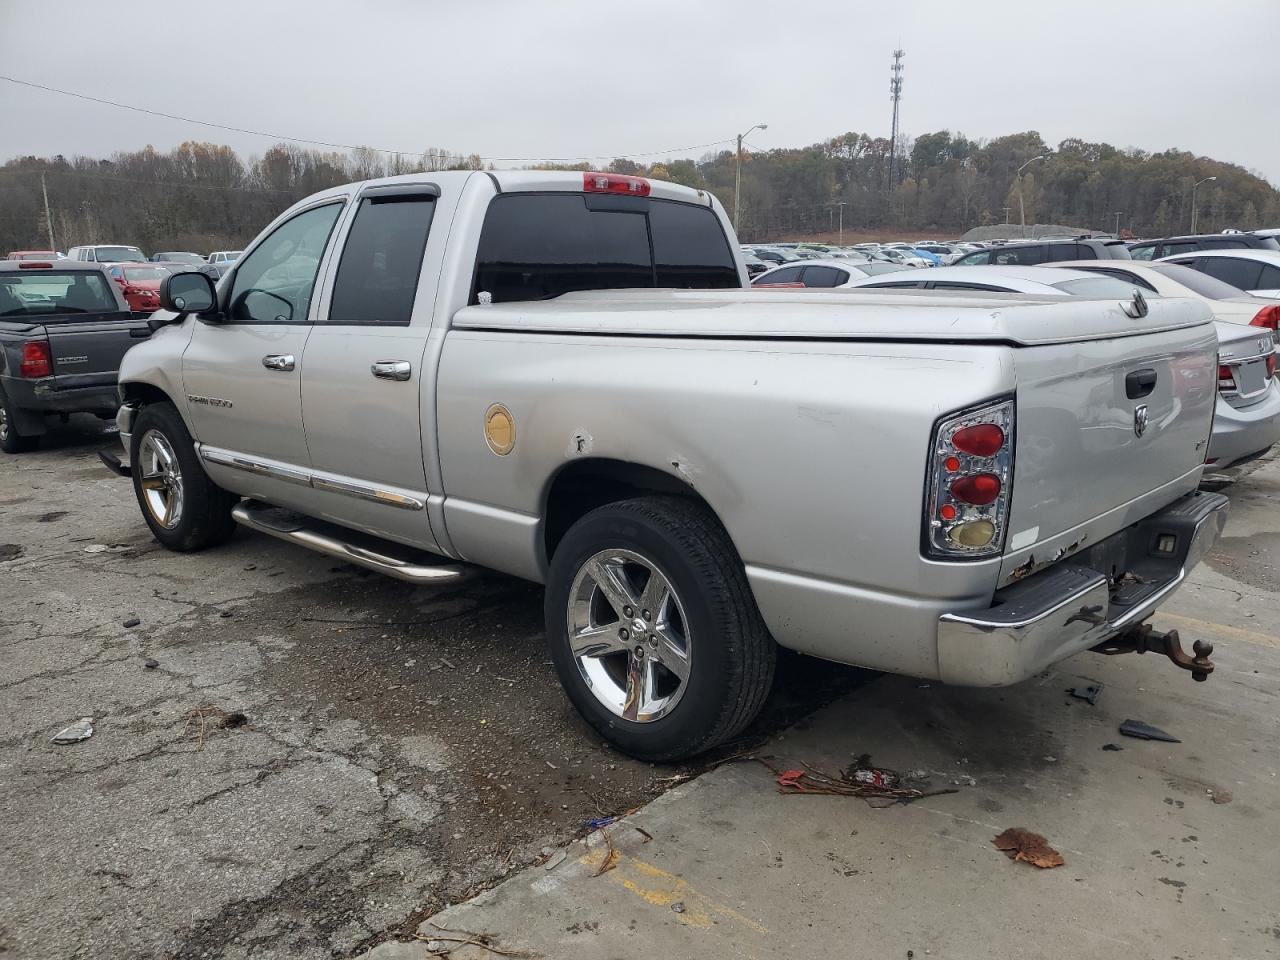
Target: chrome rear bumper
x=1079, y=603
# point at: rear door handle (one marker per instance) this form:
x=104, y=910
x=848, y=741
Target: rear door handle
x=392, y=369
x=139, y=333
x=278, y=361
x=1140, y=383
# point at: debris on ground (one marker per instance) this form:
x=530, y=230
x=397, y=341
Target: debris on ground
x=1088, y=694
x=555, y=860
x=678, y=906
x=1019, y=844
x=82, y=729
x=96, y=548
x=1220, y=796
x=131, y=623
x=879, y=786
x=443, y=945
x=201, y=717
x=611, y=858
x=149, y=664
x=1144, y=731
x=10, y=551
x=1112, y=747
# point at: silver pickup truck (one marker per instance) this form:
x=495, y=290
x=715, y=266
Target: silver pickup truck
x=438, y=372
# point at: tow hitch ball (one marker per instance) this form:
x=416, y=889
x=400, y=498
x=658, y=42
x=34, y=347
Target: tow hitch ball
x=1144, y=637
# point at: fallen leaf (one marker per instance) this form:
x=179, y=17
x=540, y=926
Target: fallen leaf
x=1019, y=844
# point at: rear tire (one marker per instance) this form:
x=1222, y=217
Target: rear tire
x=665, y=683
x=185, y=510
x=10, y=440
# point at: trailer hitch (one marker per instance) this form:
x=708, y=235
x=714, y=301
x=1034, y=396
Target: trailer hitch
x=1144, y=637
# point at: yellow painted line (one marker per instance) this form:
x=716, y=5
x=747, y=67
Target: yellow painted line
x=1220, y=630
x=661, y=889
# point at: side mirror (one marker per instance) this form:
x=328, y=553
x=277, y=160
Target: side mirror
x=187, y=292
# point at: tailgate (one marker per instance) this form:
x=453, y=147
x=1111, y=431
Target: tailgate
x=93, y=348
x=1108, y=431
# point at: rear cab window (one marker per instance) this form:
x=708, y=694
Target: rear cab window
x=536, y=246
x=51, y=292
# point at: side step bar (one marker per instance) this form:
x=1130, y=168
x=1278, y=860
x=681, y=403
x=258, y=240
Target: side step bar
x=393, y=559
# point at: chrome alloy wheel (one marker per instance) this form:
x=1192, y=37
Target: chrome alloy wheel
x=4, y=424
x=161, y=479
x=629, y=635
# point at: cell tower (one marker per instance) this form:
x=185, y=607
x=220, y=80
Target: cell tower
x=895, y=90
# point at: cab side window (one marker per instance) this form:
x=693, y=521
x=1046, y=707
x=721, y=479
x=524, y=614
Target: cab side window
x=378, y=274
x=274, y=283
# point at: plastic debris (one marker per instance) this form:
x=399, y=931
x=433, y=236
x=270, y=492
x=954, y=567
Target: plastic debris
x=96, y=548
x=1144, y=731
x=678, y=906
x=863, y=772
x=1088, y=694
x=878, y=786
x=1019, y=844
x=82, y=729
x=598, y=822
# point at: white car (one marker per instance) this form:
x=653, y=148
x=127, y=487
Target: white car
x=1254, y=271
x=823, y=273
x=224, y=256
x=1247, y=413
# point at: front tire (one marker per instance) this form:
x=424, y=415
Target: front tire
x=653, y=628
x=185, y=509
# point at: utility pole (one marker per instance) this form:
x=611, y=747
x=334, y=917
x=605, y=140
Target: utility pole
x=840, y=204
x=1022, y=210
x=1006, y=215
x=1118, y=212
x=48, y=220
x=895, y=93
x=1195, y=186
x=737, y=180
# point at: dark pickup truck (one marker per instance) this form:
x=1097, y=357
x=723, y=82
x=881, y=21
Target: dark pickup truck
x=64, y=327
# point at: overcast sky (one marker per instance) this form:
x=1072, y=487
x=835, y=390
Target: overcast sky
x=555, y=78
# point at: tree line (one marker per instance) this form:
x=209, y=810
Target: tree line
x=203, y=196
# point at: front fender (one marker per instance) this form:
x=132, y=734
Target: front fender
x=154, y=368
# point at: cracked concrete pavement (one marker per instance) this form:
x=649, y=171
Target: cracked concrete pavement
x=293, y=758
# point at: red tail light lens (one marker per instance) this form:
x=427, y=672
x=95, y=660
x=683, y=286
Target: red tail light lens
x=36, y=359
x=979, y=440
x=1226, y=379
x=615, y=183
x=1271, y=366
x=1268, y=317
x=979, y=489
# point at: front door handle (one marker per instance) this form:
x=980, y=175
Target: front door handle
x=278, y=361
x=392, y=369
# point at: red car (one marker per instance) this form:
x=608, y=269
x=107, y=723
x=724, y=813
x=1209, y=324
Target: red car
x=32, y=255
x=140, y=283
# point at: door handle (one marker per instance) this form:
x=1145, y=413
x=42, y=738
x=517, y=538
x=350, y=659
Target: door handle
x=278, y=361
x=1139, y=384
x=392, y=369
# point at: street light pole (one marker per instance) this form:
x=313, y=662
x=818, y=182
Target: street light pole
x=1118, y=212
x=1194, y=187
x=841, y=206
x=1022, y=210
x=737, y=180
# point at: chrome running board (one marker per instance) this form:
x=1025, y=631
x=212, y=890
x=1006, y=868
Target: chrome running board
x=382, y=556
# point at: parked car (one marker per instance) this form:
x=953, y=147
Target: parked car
x=823, y=273
x=1171, y=246
x=901, y=257
x=1255, y=271
x=654, y=456
x=106, y=253
x=180, y=257
x=63, y=328
x=223, y=256
x=215, y=271
x=140, y=284
x=1247, y=421
x=774, y=254
x=32, y=255
x=1030, y=253
x=755, y=266
x=1247, y=418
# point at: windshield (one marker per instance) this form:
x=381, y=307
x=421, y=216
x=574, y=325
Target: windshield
x=119, y=255
x=28, y=294
x=191, y=258
x=1211, y=288
x=1096, y=287
x=145, y=274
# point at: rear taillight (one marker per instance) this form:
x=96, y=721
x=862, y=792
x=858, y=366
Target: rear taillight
x=971, y=479
x=1271, y=366
x=615, y=183
x=37, y=361
x=1226, y=379
x=1269, y=318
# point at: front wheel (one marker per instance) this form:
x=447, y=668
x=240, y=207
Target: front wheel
x=182, y=506
x=653, y=628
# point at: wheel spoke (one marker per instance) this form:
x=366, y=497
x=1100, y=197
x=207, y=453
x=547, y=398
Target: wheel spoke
x=153, y=481
x=168, y=505
x=597, y=641
x=672, y=653
x=608, y=577
x=635, y=688
x=653, y=600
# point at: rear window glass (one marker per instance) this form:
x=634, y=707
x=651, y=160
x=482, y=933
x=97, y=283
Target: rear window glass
x=1198, y=282
x=781, y=275
x=145, y=274
x=1240, y=272
x=118, y=254
x=540, y=245
x=378, y=274
x=50, y=292
x=824, y=277
x=1142, y=253
x=1023, y=256
x=1096, y=287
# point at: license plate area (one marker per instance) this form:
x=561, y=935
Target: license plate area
x=1251, y=378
